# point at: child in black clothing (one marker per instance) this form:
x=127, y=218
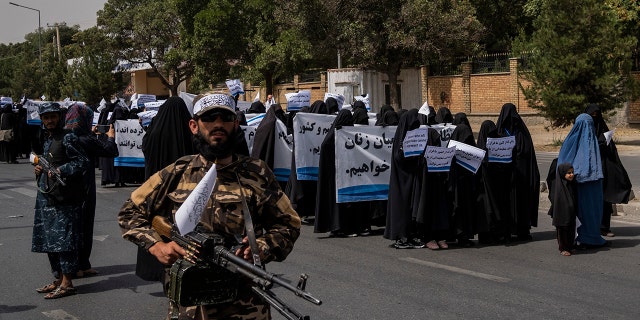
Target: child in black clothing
x=564, y=206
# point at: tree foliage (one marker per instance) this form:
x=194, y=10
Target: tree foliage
x=577, y=55
x=387, y=35
x=504, y=20
x=147, y=31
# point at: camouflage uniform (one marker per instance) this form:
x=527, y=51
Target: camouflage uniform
x=276, y=224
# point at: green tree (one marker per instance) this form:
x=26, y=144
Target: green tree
x=504, y=20
x=578, y=54
x=257, y=40
x=92, y=74
x=387, y=35
x=147, y=32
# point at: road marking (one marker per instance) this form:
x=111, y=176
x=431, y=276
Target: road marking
x=27, y=192
x=100, y=238
x=457, y=270
x=59, y=315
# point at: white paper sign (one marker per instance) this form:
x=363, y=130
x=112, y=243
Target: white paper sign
x=445, y=131
x=339, y=98
x=146, y=117
x=189, y=213
x=468, y=156
x=235, y=87
x=425, y=109
x=144, y=98
x=439, y=158
x=297, y=100
x=364, y=99
x=500, y=149
x=188, y=100
x=609, y=135
x=414, y=142
x=129, y=135
x=153, y=106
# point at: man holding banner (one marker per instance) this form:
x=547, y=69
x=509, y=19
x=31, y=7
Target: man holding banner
x=236, y=177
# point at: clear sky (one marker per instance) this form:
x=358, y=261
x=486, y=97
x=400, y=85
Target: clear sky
x=16, y=22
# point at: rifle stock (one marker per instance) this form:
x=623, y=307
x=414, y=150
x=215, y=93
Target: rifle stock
x=196, y=244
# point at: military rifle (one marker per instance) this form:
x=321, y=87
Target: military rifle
x=46, y=166
x=206, y=248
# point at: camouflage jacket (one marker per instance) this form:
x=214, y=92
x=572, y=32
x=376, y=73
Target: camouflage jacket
x=276, y=223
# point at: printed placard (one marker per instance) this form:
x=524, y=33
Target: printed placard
x=500, y=149
x=297, y=100
x=439, y=158
x=414, y=142
x=469, y=157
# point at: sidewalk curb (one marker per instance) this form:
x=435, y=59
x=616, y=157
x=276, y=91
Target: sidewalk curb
x=629, y=210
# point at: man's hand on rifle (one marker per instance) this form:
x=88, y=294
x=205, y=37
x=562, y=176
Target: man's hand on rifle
x=245, y=250
x=37, y=169
x=167, y=252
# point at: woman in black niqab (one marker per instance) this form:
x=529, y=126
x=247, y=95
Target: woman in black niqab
x=330, y=216
x=168, y=137
x=404, y=188
x=266, y=138
x=463, y=191
x=525, y=195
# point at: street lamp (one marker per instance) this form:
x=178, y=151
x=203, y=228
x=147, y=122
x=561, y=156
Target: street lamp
x=39, y=45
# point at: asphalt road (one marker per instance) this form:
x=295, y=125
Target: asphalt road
x=357, y=278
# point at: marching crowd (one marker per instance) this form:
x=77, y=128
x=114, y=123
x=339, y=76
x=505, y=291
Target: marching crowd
x=498, y=204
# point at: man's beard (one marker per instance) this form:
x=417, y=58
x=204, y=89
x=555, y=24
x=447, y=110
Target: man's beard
x=219, y=151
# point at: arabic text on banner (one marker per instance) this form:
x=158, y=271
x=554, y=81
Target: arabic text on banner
x=282, y=152
x=500, y=149
x=309, y=130
x=439, y=158
x=364, y=162
x=129, y=135
x=469, y=157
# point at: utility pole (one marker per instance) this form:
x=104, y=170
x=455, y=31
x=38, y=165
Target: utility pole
x=57, y=39
x=39, y=28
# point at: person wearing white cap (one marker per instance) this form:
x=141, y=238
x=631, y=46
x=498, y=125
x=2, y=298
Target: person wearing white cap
x=276, y=224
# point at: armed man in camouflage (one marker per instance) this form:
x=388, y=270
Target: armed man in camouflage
x=276, y=223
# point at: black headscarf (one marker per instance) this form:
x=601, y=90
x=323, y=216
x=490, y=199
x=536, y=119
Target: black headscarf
x=390, y=118
x=360, y=116
x=461, y=118
x=384, y=109
x=563, y=198
x=431, y=118
x=319, y=107
x=616, y=183
x=332, y=105
x=444, y=115
x=327, y=210
x=257, y=107
x=265, y=138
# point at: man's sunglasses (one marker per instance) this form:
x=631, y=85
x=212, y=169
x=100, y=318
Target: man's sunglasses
x=213, y=116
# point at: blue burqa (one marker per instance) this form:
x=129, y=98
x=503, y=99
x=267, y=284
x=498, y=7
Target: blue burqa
x=580, y=148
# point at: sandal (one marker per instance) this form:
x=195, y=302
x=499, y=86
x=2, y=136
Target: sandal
x=49, y=288
x=565, y=253
x=86, y=273
x=61, y=292
x=432, y=245
x=443, y=244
